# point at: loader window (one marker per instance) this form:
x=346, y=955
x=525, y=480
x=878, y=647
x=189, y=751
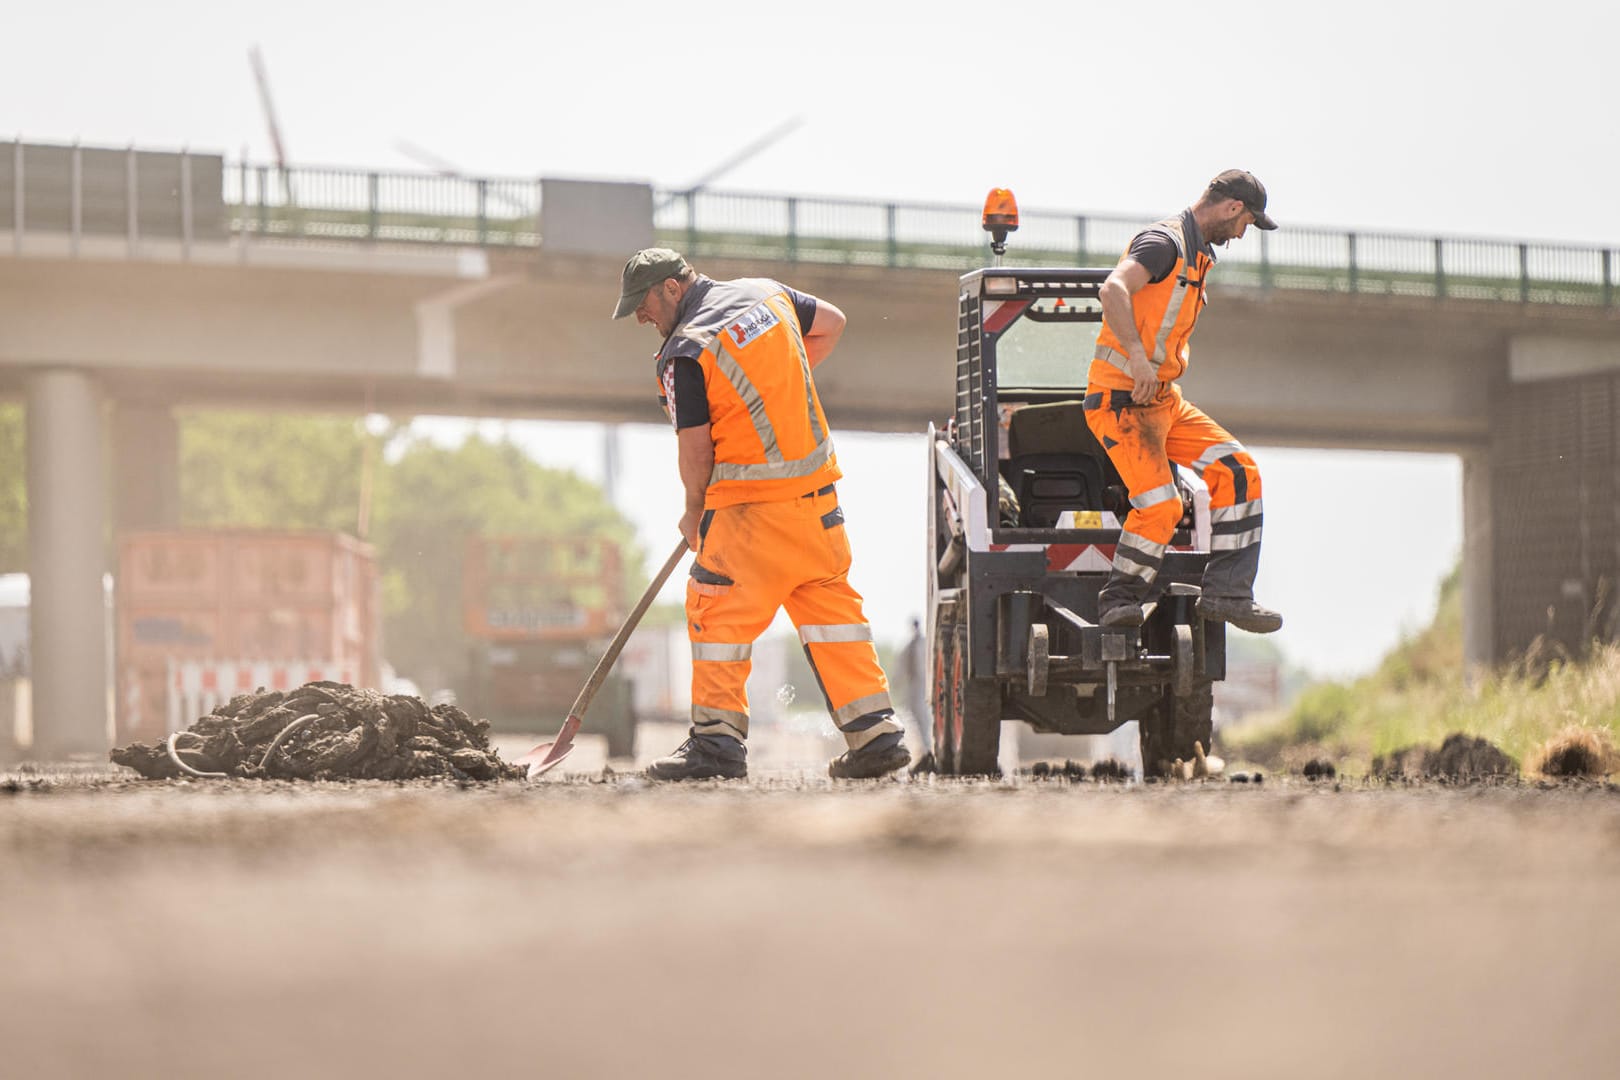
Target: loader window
x=1048, y=347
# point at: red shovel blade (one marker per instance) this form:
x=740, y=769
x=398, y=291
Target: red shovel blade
x=545, y=756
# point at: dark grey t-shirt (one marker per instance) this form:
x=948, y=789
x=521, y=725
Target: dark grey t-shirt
x=1157, y=253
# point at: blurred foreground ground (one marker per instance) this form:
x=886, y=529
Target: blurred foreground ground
x=788, y=927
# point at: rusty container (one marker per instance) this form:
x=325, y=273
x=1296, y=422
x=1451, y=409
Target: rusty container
x=237, y=594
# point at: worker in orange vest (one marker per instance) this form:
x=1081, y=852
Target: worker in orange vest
x=757, y=463
x=1150, y=304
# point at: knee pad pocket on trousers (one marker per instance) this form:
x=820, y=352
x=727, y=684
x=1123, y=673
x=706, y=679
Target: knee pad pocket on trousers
x=701, y=598
x=1235, y=473
x=1157, y=522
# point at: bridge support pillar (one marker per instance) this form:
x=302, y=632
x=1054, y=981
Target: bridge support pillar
x=67, y=496
x=1554, y=488
x=1478, y=574
x=146, y=466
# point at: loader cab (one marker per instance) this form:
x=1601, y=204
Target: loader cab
x=1037, y=332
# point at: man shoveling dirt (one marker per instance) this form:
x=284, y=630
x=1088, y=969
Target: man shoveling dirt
x=757, y=463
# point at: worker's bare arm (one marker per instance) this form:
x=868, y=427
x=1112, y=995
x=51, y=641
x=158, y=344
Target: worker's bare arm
x=1125, y=282
x=696, y=463
x=824, y=333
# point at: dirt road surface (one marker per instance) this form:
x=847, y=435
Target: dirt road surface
x=792, y=927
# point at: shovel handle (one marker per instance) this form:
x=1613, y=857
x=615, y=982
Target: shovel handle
x=604, y=665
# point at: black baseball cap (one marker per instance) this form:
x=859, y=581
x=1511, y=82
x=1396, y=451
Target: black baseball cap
x=646, y=268
x=1247, y=189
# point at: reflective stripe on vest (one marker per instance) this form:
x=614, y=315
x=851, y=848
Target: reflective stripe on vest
x=1158, y=329
x=1185, y=289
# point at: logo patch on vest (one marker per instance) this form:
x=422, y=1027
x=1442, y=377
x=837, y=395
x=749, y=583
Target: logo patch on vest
x=751, y=325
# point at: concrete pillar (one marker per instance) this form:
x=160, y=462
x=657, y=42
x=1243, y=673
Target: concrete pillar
x=67, y=495
x=146, y=467
x=1478, y=577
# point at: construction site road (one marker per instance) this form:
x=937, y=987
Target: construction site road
x=789, y=926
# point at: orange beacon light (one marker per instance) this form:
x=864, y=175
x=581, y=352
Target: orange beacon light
x=1000, y=218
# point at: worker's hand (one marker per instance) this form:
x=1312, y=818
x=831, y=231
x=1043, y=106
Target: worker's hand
x=689, y=527
x=1144, y=380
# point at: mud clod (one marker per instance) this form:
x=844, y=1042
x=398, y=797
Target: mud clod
x=1072, y=771
x=1575, y=752
x=1110, y=770
x=1319, y=769
x=1468, y=757
x=328, y=731
x=1461, y=758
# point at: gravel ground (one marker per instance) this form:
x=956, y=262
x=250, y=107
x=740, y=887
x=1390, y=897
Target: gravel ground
x=791, y=927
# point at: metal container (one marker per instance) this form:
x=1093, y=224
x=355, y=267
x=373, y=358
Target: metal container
x=241, y=595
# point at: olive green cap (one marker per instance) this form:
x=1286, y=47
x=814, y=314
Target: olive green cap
x=645, y=269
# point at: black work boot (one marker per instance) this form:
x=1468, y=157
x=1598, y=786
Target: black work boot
x=879, y=757
x=1241, y=612
x=1122, y=616
x=703, y=757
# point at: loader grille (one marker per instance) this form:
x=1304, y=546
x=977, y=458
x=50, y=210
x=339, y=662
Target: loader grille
x=971, y=422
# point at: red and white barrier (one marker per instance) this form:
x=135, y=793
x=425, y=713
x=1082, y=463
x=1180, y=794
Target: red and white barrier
x=197, y=687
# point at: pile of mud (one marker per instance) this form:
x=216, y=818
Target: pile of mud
x=325, y=731
x=1459, y=757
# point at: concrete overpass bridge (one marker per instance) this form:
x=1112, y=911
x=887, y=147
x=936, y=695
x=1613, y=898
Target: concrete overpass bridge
x=132, y=282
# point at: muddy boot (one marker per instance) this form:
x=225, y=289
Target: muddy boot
x=879, y=757
x=1241, y=612
x=703, y=757
x=1122, y=616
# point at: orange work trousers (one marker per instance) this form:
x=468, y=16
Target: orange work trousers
x=1142, y=441
x=755, y=558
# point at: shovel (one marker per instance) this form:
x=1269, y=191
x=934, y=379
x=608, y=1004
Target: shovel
x=548, y=754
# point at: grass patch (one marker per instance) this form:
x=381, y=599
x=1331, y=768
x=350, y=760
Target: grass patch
x=1420, y=693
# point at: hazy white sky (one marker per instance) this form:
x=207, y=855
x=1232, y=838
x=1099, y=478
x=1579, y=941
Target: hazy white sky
x=1481, y=118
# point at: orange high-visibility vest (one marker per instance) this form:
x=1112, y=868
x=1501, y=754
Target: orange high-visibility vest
x=1165, y=314
x=770, y=435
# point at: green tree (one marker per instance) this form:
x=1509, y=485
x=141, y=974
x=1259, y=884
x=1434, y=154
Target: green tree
x=272, y=470
x=430, y=499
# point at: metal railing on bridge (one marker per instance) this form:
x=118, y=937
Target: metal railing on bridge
x=140, y=195
x=939, y=236
x=377, y=206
